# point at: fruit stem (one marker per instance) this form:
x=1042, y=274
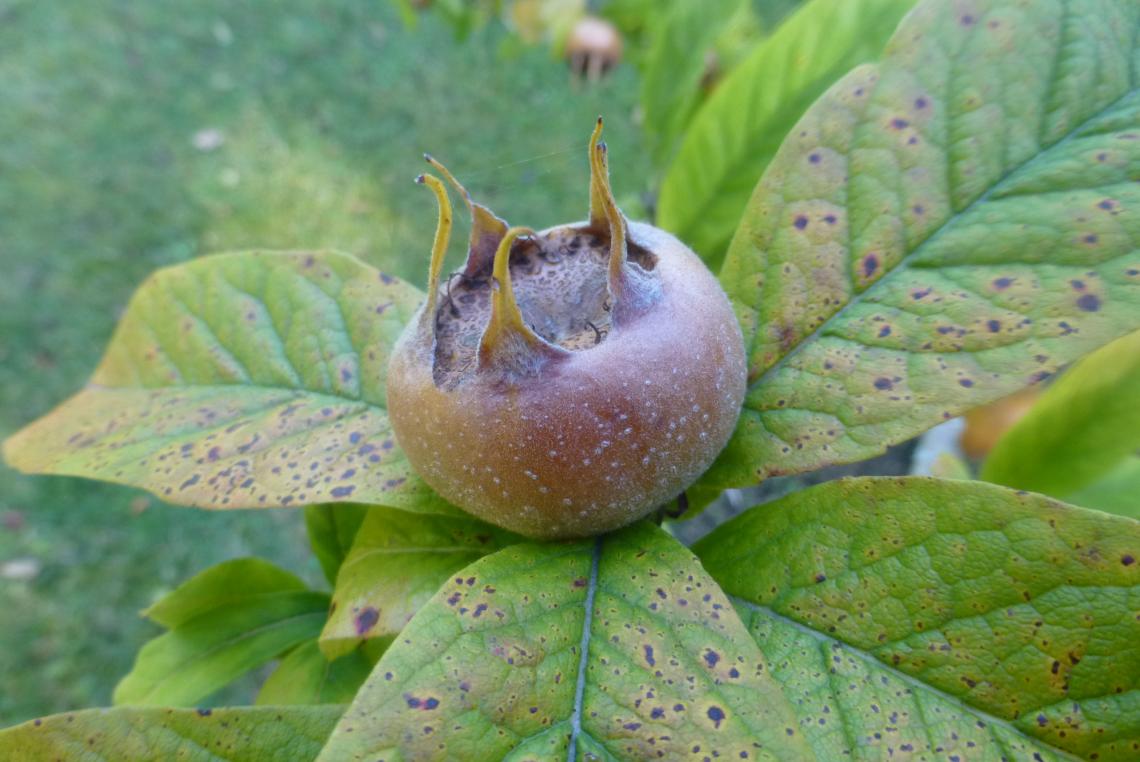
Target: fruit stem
x=508, y=342
x=487, y=230
x=439, y=245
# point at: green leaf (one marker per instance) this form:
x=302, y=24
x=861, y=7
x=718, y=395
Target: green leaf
x=396, y=564
x=1117, y=492
x=331, y=531
x=851, y=702
x=244, y=380
x=234, y=583
x=772, y=12
x=735, y=133
x=939, y=230
x=305, y=676
x=939, y=613
x=620, y=646
x=674, y=66
x=248, y=734
x=222, y=623
x=1080, y=428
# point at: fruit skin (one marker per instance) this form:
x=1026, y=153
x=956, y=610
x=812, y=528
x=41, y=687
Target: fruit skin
x=593, y=48
x=598, y=437
x=987, y=424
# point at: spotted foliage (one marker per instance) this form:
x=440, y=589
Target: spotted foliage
x=620, y=647
x=939, y=230
x=943, y=618
x=261, y=734
x=243, y=380
x=397, y=562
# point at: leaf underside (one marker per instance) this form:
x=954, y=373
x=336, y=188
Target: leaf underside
x=261, y=734
x=243, y=380
x=952, y=617
x=939, y=230
x=620, y=647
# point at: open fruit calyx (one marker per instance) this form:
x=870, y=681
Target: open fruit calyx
x=565, y=382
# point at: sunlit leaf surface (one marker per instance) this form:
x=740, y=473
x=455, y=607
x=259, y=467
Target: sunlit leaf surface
x=620, y=648
x=397, y=562
x=938, y=618
x=137, y=734
x=243, y=381
x=939, y=230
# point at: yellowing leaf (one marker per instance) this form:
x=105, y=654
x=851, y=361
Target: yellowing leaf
x=243, y=380
x=137, y=734
x=397, y=562
x=619, y=647
x=939, y=230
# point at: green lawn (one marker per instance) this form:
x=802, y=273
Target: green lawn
x=323, y=114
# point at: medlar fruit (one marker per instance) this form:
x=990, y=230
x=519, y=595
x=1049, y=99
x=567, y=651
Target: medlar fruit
x=593, y=48
x=566, y=382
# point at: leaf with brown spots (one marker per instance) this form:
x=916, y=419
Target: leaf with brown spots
x=621, y=647
x=944, y=619
x=246, y=380
x=972, y=220
x=140, y=734
x=1081, y=428
x=221, y=623
x=397, y=562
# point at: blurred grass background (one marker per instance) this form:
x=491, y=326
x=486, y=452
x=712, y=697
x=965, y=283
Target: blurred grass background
x=138, y=135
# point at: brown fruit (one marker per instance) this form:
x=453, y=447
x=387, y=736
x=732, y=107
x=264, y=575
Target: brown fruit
x=593, y=48
x=987, y=424
x=566, y=382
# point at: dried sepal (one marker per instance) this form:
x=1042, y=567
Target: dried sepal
x=439, y=244
x=487, y=229
x=508, y=345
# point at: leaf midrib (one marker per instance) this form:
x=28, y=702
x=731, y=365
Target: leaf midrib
x=93, y=386
x=583, y=655
x=877, y=665
x=942, y=229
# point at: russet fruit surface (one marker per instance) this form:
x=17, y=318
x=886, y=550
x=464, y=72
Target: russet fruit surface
x=572, y=380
